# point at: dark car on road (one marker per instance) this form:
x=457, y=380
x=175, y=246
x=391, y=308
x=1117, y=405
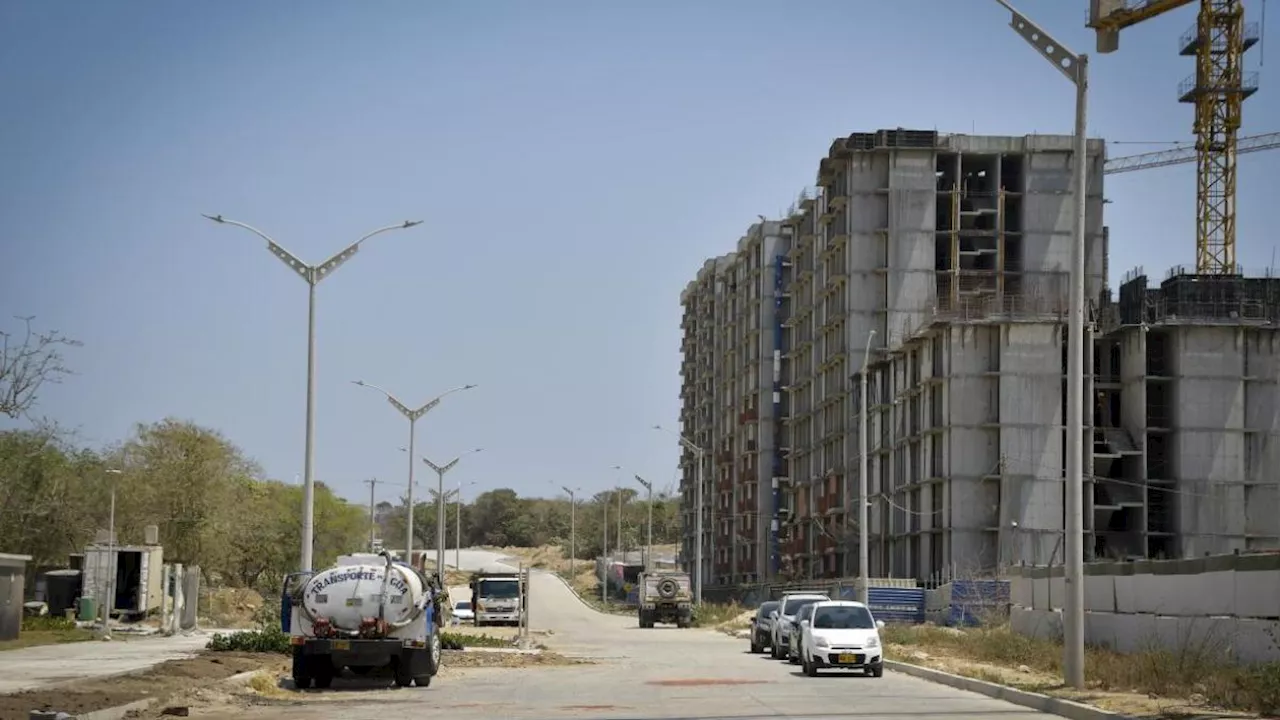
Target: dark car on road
x=762, y=626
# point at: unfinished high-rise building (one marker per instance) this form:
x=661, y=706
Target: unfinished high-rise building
x=1186, y=416
x=941, y=261
x=732, y=396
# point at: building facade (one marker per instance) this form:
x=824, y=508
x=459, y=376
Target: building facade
x=941, y=262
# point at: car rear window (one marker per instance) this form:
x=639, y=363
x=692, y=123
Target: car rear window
x=766, y=608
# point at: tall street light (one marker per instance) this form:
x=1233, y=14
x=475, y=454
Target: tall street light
x=110, y=584
x=412, y=415
x=440, y=473
x=700, y=455
x=1076, y=69
x=648, y=545
x=457, y=519
x=573, y=530
x=864, y=553
x=312, y=274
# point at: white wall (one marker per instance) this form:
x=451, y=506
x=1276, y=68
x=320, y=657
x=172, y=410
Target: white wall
x=1220, y=602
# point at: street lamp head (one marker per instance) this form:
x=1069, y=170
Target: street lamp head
x=358, y=382
x=469, y=387
x=411, y=223
x=215, y=218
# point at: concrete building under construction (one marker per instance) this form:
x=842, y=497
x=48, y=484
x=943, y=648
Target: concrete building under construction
x=941, y=261
x=943, y=258
x=1186, y=416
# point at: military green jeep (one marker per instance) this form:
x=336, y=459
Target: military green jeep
x=665, y=597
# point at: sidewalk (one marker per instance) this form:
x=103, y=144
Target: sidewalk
x=44, y=665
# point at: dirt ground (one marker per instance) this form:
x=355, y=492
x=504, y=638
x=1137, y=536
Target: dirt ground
x=162, y=681
x=266, y=688
x=234, y=608
x=1022, y=677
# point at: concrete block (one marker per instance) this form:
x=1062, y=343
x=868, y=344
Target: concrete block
x=1100, y=593
x=1256, y=593
x=1256, y=641
x=1021, y=591
x=1057, y=593
x=1126, y=587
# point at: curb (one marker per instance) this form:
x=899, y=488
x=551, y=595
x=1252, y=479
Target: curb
x=1035, y=701
x=118, y=712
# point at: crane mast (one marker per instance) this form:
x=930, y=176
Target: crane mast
x=1217, y=89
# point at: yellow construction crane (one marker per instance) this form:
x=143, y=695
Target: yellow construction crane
x=1218, y=89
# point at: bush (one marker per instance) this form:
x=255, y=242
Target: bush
x=714, y=614
x=266, y=640
x=48, y=623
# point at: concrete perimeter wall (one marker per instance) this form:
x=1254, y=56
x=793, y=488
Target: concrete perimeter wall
x=1225, y=604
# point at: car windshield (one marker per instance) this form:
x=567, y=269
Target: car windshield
x=766, y=608
x=464, y=605
x=843, y=617
x=793, y=606
x=500, y=589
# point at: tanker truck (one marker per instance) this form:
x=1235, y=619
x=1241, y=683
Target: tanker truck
x=366, y=612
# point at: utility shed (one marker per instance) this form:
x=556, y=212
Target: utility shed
x=12, y=571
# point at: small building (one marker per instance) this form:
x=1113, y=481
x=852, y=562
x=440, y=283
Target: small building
x=13, y=570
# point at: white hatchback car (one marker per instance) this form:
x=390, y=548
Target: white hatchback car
x=462, y=612
x=841, y=634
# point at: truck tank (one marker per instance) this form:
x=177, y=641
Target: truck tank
x=352, y=592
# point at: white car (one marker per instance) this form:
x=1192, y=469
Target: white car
x=462, y=612
x=788, y=606
x=795, y=643
x=841, y=634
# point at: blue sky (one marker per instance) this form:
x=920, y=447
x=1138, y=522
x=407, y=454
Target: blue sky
x=574, y=162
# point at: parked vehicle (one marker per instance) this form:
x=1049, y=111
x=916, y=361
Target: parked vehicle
x=841, y=634
x=762, y=626
x=366, y=612
x=462, y=612
x=796, y=642
x=788, y=605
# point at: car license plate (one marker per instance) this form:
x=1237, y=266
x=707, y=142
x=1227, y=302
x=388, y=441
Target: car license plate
x=344, y=645
x=849, y=659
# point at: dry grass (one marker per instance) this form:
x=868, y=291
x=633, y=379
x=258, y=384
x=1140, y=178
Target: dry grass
x=1156, y=683
x=47, y=630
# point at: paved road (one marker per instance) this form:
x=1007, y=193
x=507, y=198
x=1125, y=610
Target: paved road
x=39, y=666
x=647, y=674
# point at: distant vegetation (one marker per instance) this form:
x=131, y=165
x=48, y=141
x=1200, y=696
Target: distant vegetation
x=214, y=506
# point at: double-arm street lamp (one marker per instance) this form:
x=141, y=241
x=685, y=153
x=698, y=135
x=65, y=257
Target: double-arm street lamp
x=1076, y=69
x=312, y=275
x=413, y=414
x=455, y=495
x=700, y=456
x=648, y=486
x=440, y=473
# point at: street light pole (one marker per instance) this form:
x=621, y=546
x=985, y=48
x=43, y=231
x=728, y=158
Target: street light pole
x=604, y=551
x=111, y=560
x=864, y=552
x=413, y=415
x=648, y=545
x=312, y=274
x=457, y=519
x=573, y=531
x=1076, y=69
x=373, y=521
x=440, y=519
x=700, y=455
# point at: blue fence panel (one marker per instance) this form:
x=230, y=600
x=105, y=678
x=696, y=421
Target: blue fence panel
x=975, y=601
x=897, y=605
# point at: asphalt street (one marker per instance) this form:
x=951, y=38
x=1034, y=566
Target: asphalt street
x=645, y=674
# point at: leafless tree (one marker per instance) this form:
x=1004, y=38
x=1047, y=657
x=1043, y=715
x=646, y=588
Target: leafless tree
x=28, y=360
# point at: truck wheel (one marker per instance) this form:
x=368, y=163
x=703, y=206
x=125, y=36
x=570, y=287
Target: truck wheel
x=324, y=676
x=431, y=657
x=403, y=670
x=301, y=670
